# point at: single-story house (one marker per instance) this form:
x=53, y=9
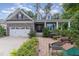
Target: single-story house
x=19, y=23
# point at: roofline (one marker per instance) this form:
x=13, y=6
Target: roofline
x=17, y=10
x=27, y=15
x=53, y=20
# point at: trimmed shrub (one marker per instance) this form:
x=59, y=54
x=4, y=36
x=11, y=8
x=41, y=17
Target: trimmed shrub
x=32, y=34
x=46, y=32
x=28, y=48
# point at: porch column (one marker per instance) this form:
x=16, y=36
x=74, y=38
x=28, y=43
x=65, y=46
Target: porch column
x=68, y=25
x=44, y=24
x=33, y=26
x=57, y=25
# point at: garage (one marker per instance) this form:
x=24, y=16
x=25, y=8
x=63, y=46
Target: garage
x=19, y=32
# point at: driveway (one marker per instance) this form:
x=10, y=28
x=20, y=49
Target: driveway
x=9, y=43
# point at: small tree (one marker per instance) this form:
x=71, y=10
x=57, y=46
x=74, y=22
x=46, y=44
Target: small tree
x=46, y=32
x=32, y=34
x=2, y=31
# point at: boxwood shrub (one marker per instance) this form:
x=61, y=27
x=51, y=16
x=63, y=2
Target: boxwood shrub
x=28, y=48
x=46, y=32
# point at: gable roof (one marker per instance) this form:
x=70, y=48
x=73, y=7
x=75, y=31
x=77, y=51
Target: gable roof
x=16, y=11
x=2, y=21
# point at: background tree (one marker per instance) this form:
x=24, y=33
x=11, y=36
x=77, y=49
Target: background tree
x=71, y=11
x=37, y=7
x=56, y=16
x=47, y=8
x=31, y=14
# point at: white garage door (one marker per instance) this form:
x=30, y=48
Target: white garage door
x=19, y=32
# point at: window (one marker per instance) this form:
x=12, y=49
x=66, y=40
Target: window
x=12, y=27
x=17, y=16
x=38, y=17
x=49, y=17
x=20, y=27
x=51, y=26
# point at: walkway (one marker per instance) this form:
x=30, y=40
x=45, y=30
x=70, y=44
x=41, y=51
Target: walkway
x=43, y=46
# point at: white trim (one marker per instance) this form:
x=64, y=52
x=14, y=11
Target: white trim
x=27, y=15
x=69, y=25
x=12, y=14
x=57, y=24
x=19, y=22
x=18, y=32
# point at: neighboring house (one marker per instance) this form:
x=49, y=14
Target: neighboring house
x=3, y=23
x=19, y=23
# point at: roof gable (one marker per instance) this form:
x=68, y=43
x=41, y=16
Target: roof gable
x=16, y=15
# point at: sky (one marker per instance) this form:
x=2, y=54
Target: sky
x=7, y=8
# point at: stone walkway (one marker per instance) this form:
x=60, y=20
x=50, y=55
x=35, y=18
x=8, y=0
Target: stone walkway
x=44, y=46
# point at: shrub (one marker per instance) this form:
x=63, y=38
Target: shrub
x=46, y=32
x=28, y=48
x=63, y=33
x=54, y=33
x=2, y=31
x=32, y=34
x=13, y=52
x=72, y=34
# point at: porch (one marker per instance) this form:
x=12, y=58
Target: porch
x=51, y=24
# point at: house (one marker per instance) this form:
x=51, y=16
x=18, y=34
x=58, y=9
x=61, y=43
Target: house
x=19, y=23
x=3, y=23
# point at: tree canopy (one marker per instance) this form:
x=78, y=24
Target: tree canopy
x=70, y=9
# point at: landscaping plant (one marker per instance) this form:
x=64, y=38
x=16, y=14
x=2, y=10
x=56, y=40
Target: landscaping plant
x=46, y=32
x=32, y=34
x=2, y=31
x=28, y=48
x=71, y=11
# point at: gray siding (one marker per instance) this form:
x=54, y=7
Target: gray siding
x=17, y=18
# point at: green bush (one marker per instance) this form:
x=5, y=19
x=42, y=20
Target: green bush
x=2, y=31
x=46, y=32
x=75, y=37
x=64, y=33
x=28, y=48
x=32, y=34
x=13, y=52
x=72, y=34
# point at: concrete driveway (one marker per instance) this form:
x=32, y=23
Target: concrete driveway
x=9, y=43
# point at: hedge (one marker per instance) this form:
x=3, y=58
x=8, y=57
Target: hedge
x=28, y=48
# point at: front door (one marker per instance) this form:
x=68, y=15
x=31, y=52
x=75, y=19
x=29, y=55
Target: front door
x=39, y=27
